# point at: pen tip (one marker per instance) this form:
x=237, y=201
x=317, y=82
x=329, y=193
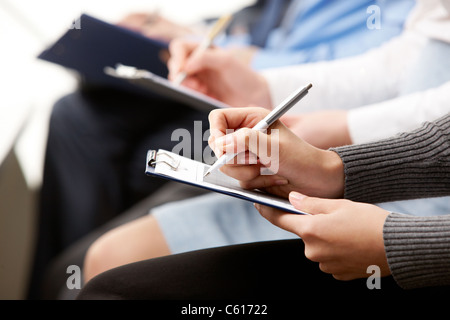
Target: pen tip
x=206, y=174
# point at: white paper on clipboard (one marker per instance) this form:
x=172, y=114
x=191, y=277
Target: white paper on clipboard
x=172, y=166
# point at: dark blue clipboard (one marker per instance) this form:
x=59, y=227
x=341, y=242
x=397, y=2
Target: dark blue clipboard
x=97, y=44
x=248, y=195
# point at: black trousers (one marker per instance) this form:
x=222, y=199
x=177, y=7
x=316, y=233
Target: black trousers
x=264, y=271
x=95, y=163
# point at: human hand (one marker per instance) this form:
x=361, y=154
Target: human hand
x=218, y=73
x=344, y=237
x=136, y=21
x=244, y=53
x=293, y=163
x=154, y=26
x=323, y=129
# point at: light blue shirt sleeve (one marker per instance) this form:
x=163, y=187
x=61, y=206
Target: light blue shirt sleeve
x=318, y=30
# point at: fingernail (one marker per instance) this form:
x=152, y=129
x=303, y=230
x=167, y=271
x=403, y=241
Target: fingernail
x=257, y=206
x=296, y=196
x=281, y=182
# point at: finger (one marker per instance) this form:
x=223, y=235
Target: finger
x=156, y=32
x=179, y=52
x=284, y=220
x=209, y=59
x=234, y=142
x=312, y=205
x=348, y=276
x=218, y=124
x=265, y=182
x=246, y=140
x=340, y=270
x=195, y=84
x=225, y=121
x=290, y=120
x=235, y=118
x=135, y=21
x=242, y=173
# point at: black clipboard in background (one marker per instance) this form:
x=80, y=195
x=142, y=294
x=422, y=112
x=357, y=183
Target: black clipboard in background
x=154, y=83
x=91, y=44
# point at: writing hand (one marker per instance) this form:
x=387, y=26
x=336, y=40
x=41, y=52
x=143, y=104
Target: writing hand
x=218, y=73
x=293, y=163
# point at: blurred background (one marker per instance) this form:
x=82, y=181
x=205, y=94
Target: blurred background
x=28, y=89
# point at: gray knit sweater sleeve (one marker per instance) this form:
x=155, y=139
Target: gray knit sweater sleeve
x=418, y=250
x=410, y=165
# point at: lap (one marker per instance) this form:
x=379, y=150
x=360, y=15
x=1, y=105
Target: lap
x=111, y=114
x=272, y=270
x=213, y=220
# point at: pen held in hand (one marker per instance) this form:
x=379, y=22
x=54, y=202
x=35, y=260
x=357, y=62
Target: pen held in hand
x=264, y=124
x=218, y=27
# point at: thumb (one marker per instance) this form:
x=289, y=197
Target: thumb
x=287, y=221
x=312, y=205
x=180, y=50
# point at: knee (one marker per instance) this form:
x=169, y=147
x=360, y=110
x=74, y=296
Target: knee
x=100, y=257
x=64, y=108
x=136, y=240
x=70, y=113
x=71, y=123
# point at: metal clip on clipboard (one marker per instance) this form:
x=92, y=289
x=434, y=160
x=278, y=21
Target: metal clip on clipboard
x=154, y=157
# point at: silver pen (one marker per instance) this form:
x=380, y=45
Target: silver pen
x=265, y=123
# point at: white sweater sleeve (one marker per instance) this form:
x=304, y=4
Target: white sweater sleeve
x=385, y=119
x=348, y=83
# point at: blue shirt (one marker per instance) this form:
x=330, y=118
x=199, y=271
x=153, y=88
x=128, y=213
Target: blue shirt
x=318, y=30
